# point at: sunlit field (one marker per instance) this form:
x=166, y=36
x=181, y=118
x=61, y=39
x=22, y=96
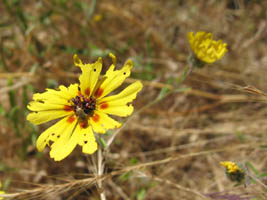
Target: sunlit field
x=145, y=100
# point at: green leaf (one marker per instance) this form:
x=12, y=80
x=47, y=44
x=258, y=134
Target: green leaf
x=181, y=79
x=164, y=91
x=262, y=175
x=124, y=177
x=141, y=194
x=182, y=89
x=2, y=110
x=133, y=161
x=249, y=165
x=91, y=9
x=103, y=142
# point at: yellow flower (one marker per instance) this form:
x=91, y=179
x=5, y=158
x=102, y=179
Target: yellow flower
x=233, y=171
x=84, y=108
x=98, y=17
x=1, y=192
x=231, y=167
x=205, y=48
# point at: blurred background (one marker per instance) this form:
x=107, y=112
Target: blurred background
x=212, y=111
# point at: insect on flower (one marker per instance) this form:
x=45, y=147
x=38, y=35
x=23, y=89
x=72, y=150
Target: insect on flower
x=84, y=109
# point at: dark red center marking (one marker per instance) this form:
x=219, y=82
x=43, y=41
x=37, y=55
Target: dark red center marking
x=98, y=92
x=96, y=117
x=67, y=108
x=83, y=124
x=71, y=119
x=104, y=105
x=87, y=91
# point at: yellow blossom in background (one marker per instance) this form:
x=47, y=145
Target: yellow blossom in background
x=230, y=166
x=97, y=17
x=233, y=171
x=205, y=48
x=84, y=108
x=1, y=192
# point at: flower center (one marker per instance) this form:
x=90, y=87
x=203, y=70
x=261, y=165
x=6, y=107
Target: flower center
x=83, y=107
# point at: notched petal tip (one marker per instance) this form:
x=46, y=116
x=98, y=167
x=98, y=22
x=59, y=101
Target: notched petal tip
x=129, y=63
x=99, y=60
x=113, y=58
x=77, y=60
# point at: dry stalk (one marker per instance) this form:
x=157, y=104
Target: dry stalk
x=168, y=182
x=45, y=192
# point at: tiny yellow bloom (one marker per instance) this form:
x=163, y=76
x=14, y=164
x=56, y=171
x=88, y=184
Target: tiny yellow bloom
x=1, y=192
x=97, y=17
x=83, y=108
x=205, y=48
x=233, y=171
x=231, y=167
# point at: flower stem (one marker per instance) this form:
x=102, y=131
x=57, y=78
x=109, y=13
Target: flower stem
x=100, y=171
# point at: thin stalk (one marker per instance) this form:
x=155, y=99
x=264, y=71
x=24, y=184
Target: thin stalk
x=100, y=171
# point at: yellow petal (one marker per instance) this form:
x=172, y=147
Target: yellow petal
x=77, y=61
x=89, y=76
x=87, y=140
x=47, y=115
x=113, y=57
x=68, y=140
x=190, y=37
x=60, y=96
x=41, y=106
x=2, y=192
x=121, y=111
x=124, y=97
x=96, y=125
x=114, y=78
x=56, y=130
x=106, y=121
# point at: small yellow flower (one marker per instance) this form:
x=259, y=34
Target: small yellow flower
x=84, y=108
x=1, y=192
x=97, y=18
x=205, y=48
x=230, y=166
x=233, y=171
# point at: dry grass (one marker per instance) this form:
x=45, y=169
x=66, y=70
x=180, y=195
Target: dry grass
x=170, y=150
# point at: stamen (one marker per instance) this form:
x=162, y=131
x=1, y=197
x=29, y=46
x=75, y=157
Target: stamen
x=83, y=107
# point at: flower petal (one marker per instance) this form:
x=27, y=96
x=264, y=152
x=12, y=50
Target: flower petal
x=124, y=97
x=43, y=106
x=51, y=104
x=87, y=140
x=68, y=140
x=45, y=116
x=60, y=96
x=96, y=125
x=106, y=121
x=114, y=78
x=205, y=48
x=1, y=192
x=121, y=111
x=49, y=133
x=89, y=76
